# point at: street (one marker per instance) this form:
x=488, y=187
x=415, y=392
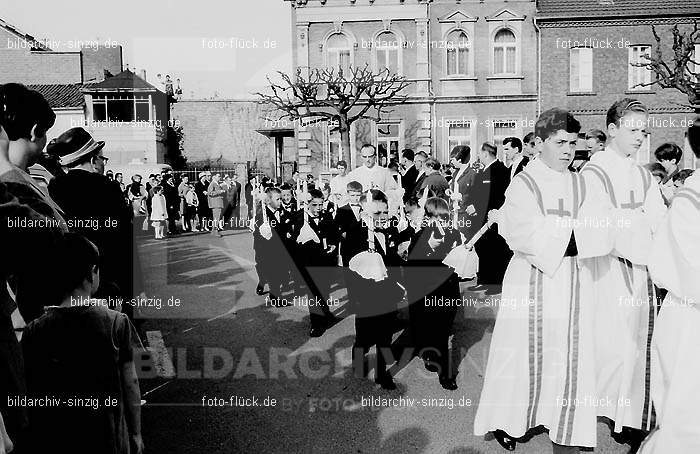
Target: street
x=230, y=373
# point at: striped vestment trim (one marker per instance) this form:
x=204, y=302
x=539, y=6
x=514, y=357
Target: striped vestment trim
x=535, y=343
x=568, y=411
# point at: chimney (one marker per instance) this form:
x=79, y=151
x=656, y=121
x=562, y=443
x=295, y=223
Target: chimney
x=143, y=74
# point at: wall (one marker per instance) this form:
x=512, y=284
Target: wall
x=225, y=129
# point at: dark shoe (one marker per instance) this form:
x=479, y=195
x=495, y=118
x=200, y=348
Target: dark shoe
x=495, y=290
x=430, y=366
x=476, y=288
x=316, y=332
x=504, y=440
x=260, y=289
x=386, y=383
x=449, y=384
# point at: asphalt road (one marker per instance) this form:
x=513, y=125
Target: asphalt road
x=233, y=374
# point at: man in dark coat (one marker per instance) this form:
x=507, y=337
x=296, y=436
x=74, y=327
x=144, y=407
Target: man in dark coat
x=513, y=151
x=172, y=203
x=408, y=179
x=419, y=162
x=489, y=194
x=200, y=188
x=461, y=186
x=95, y=208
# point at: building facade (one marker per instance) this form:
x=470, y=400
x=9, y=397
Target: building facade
x=471, y=67
x=587, y=54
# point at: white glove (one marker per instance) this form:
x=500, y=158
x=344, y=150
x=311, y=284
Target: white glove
x=266, y=231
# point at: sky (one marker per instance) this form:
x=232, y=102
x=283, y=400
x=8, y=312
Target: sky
x=216, y=47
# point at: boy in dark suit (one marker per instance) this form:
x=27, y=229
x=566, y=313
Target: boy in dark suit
x=315, y=259
x=376, y=302
x=268, y=244
x=347, y=217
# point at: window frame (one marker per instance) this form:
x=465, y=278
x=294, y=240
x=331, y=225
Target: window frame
x=469, y=56
x=580, y=88
x=635, y=71
x=376, y=48
x=516, y=46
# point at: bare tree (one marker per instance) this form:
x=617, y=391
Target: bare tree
x=681, y=73
x=335, y=96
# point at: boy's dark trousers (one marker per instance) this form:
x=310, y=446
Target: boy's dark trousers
x=436, y=327
x=372, y=330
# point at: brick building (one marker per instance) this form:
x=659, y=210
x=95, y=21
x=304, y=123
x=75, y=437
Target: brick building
x=586, y=51
x=471, y=67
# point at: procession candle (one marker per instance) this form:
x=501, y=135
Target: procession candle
x=305, y=192
x=370, y=233
x=399, y=178
x=306, y=216
x=264, y=212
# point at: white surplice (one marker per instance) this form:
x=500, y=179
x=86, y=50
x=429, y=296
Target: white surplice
x=674, y=263
x=377, y=177
x=625, y=296
x=540, y=369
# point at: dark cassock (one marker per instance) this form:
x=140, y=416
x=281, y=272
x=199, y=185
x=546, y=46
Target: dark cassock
x=408, y=181
x=316, y=263
x=271, y=256
x=433, y=289
x=375, y=303
x=489, y=194
x=172, y=205
x=95, y=208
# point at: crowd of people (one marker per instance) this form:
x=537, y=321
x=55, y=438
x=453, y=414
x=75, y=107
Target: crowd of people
x=69, y=273
x=595, y=261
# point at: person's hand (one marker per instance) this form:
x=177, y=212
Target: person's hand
x=435, y=242
x=137, y=446
x=493, y=216
x=331, y=248
x=471, y=211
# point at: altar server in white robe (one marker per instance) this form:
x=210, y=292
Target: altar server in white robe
x=674, y=263
x=540, y=369
x=626, y=306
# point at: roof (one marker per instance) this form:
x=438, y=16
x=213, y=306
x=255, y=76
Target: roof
x=36, y=45
x=61, y=95
x=124, y=80
x=614, y=8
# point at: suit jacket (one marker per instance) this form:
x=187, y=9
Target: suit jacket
x=236, y=194
x=311, y=253
x=416, y=187
x=489, y=191
x=408, y=181
x=521, y=165
x=346, y=225
x=172, y=198
x=200, y=188
x=216, y=195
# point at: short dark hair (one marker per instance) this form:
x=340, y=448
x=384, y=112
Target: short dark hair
x=656, y=170
x=668, y=151
x=408, y=154
x=529, y=137
x=315, y=193
x=342, y=163
x=412, y=201
x=393, y=165
x=375, y=195
x=433, y=164
x=437, y=207
x=553, y=120
x=596, y=134
x=621, y=108
x=21, y=109
x=461, y=153
x=490, y=148
x=354, y=186
x=422, y=153
x=72, y=259
x=514, y=142
x=117, y=174
x=285, y=187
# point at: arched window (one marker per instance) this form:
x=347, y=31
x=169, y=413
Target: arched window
x=458, y=53
x=387, y=49
x=338, y=52
x=504, y=52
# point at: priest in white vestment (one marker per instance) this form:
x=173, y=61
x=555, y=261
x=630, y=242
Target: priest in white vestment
x=674, y=264
x=625, y=296
x=370, y=175
x=540, y=368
